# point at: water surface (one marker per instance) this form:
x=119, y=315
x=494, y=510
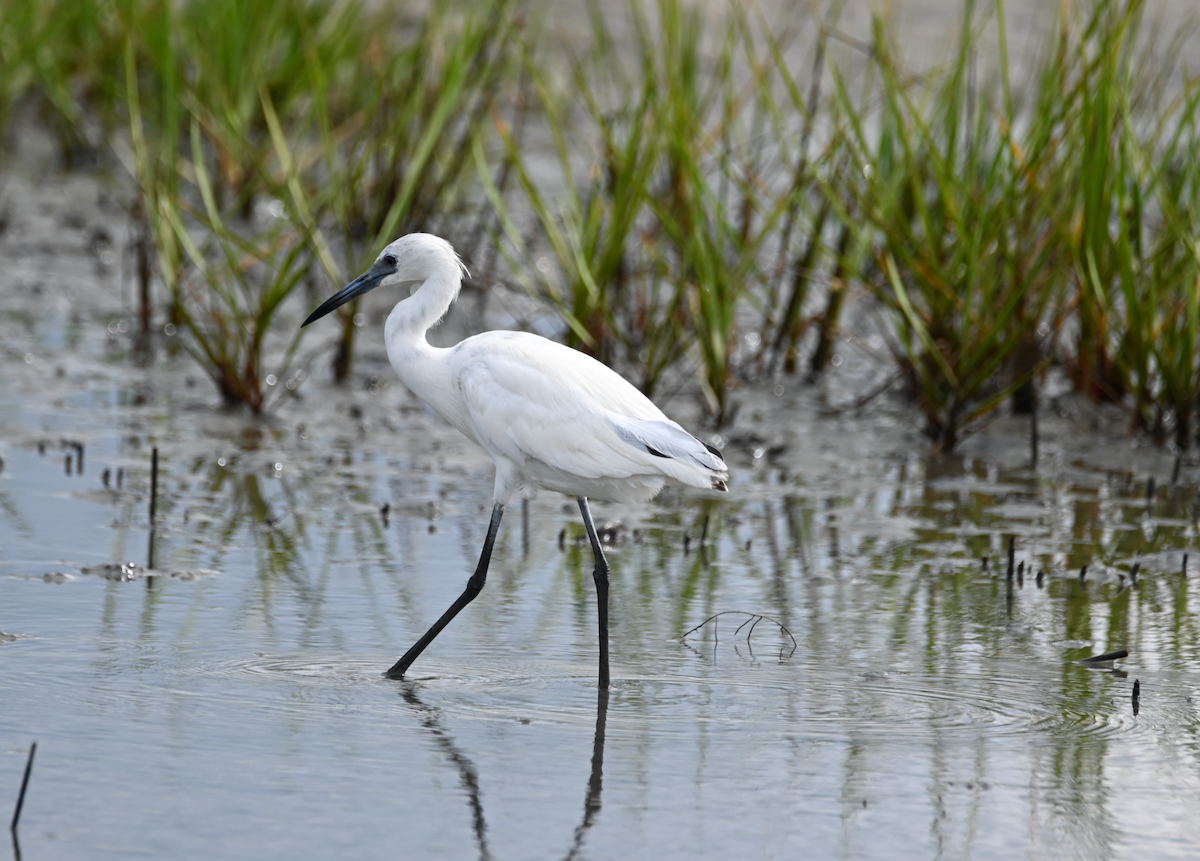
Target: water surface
x=231, y=704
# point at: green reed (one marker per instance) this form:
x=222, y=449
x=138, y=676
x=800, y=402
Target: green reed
x=937, y=189
x=342, y=120
x=236, y=283
x=648, y=245
x=388, y=153
x=1135, y=227
x=602, y=272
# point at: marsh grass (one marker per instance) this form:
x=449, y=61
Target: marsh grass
x=235, y=107
x=939, y=185
x=712, y=205
x=593, y=256
x=237, y=280
x=392, y=158
x=1133, y=242
x=652, y=248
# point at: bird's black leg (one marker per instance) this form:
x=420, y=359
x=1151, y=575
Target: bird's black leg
x=474, y=587
x=600, y=575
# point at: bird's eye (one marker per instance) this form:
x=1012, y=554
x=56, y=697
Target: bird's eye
x=390, y=260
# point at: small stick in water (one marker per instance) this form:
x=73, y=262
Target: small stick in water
x=1012, y=555
x=1183, y=570
x=1040, y=578
x=1137, y=697
x=1106, y=657
x=16, y=820
x=153, y=483
x=1033, y=439
x=1083, y=576
x=1133, y=572
x=1021, y=575
x=984, y=567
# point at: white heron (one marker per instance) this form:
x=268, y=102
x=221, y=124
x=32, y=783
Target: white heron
x=549, y=416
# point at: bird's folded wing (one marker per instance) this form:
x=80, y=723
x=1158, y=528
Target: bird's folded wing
x=522, y=413
x=667, y=439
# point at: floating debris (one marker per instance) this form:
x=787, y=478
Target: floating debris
x=12, y=638
x=127, y=572
x=1137, y=697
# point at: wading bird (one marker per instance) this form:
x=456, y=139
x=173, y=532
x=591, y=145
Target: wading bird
x=549, y=416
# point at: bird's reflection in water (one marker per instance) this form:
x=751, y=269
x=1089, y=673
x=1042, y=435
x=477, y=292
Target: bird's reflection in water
x=591, y=802
x=431, y=720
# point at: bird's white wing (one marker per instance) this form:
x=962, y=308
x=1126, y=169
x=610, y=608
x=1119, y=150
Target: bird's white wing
x=530, y=399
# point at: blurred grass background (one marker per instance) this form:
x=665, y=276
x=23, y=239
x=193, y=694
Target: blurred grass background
x=698, y=200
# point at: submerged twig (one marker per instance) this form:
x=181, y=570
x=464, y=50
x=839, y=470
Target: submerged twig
x=753, y=621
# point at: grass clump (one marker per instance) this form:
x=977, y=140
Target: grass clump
x=938, y=188
x=236, y=107
x=650, y=243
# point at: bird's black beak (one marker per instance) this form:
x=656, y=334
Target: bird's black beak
x=360, y=285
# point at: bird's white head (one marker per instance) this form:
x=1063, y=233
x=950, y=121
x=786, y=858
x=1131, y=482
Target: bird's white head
x=415, y=257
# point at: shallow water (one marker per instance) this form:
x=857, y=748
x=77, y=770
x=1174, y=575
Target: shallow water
x=228, y=702
x=231, y=704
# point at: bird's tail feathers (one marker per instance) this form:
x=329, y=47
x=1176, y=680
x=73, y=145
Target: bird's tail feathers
x=668, y=440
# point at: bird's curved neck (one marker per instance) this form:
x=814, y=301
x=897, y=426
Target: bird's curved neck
x=419, y=365
x=414, y=316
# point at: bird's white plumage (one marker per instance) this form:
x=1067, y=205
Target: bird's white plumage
x=548, y=415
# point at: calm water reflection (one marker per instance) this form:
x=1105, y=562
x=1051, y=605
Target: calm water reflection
x=231, y=706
